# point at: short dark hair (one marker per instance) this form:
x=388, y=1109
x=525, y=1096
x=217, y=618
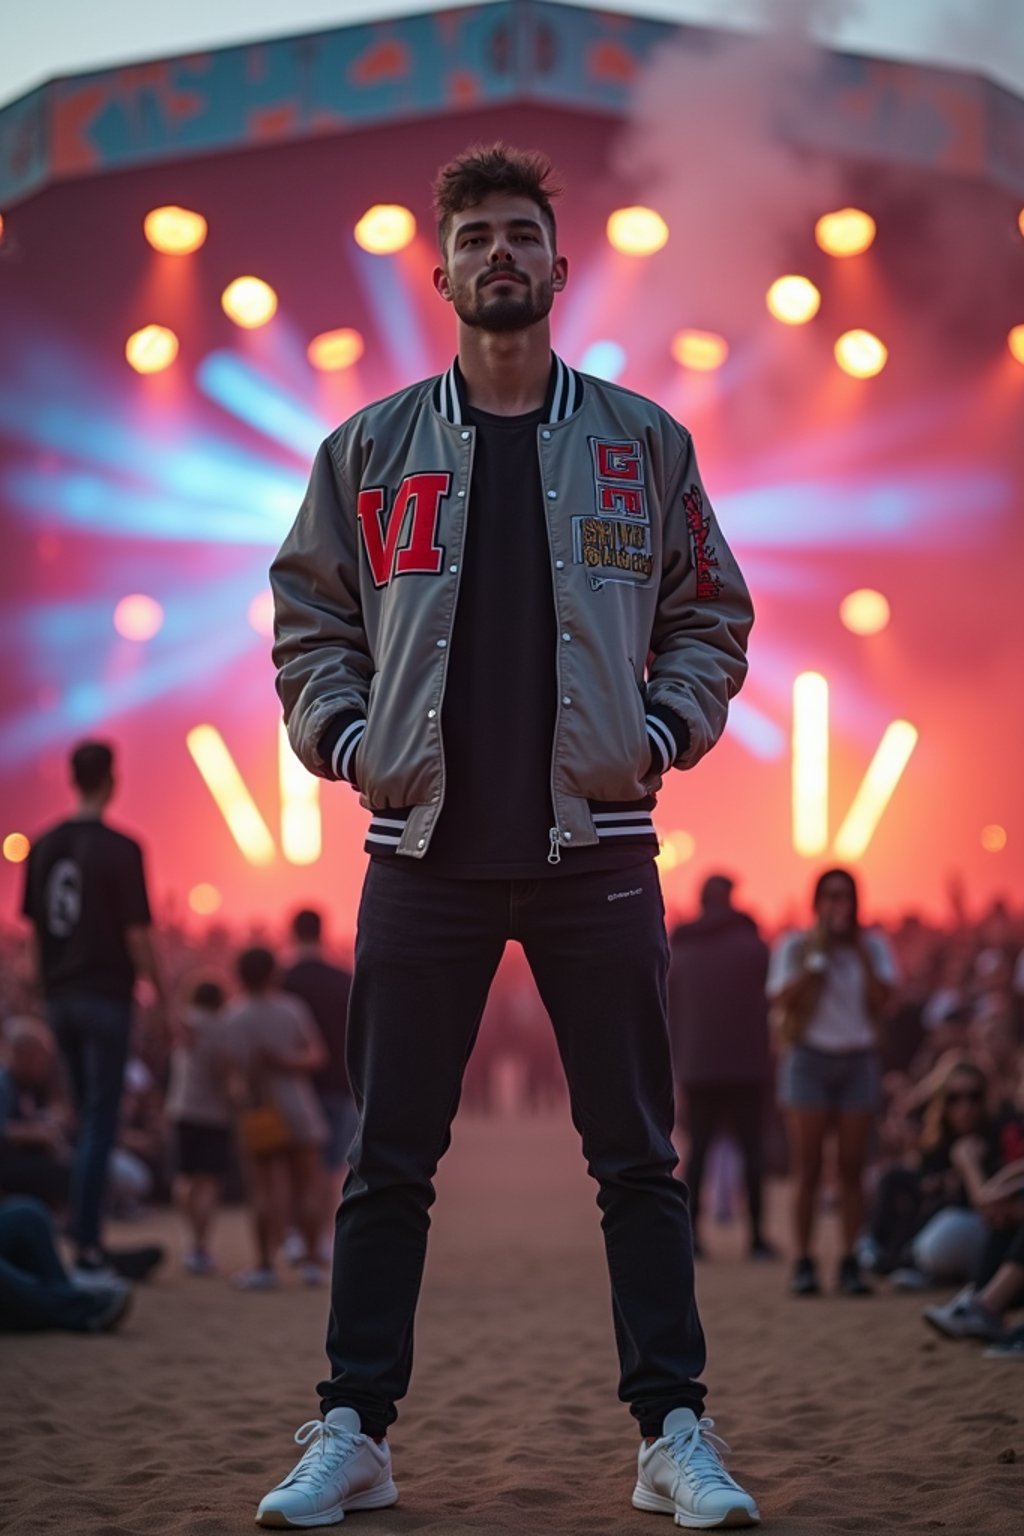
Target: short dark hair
x=486, y=168
x=208, y=994
x=255, y=968
x=307, y=926
x=716, y=891
x=92, y=764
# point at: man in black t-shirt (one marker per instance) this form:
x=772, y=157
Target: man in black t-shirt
x=85, y=895
x=324, y=988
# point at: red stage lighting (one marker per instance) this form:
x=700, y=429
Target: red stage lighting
x=249, y=302
x=865, y=612
x=793, y=300
x=702, y=350
x=994, y=838
x=152, y=349
x=861, y=354
x=138, y=617
x=16, y=847
x=174, y=231
x=204, y=899
x=636, y=231
x=846, y=232
x=333, y=350
x=1015, y=342
x=385, y=228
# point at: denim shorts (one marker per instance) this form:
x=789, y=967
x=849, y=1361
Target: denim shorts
x=836, y=1080
x=342, y=1123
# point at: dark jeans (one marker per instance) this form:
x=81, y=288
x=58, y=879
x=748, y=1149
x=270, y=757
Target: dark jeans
x=92, y=1033
x=426, y=951
x=35, y=1291
x=737, y=1108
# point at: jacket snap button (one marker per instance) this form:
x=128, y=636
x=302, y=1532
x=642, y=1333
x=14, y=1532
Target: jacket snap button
x=559, y=565
x=566, y=701
x=431, y=714
x=552, y=495
x=545, y=434
x=453, y=569
x=441, y=644
x=565, y=636
x=567, y=836
x=462, y=493
x=465, y=437
x=422, y=843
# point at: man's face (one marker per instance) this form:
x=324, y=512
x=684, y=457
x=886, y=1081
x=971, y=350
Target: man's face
x=500, y=273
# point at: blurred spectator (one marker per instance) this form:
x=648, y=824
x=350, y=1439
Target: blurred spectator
x=718, y=1025
x=283, y=1129
x=829, y=987
x=36, y=1290
x=199, y=1110
x=85, y=895
x=35, y=1151
x=324, y=988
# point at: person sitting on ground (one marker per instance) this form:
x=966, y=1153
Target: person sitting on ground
x=923, y=1226
x=279, y=1048
x=199, y=1111
x=35, y=1151
x=979, y=1311
x=36, y=1291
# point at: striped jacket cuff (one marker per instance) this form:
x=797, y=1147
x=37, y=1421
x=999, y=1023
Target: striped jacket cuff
x=337, y=746
x=669, y=736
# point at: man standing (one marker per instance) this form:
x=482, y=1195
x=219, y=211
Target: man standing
x=504, y=612
x=718, y=1025
x=85, y=895
x=324, y=988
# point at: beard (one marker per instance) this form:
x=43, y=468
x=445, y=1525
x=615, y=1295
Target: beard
x=501, y=313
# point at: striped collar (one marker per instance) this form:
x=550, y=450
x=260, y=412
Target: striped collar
x=564, y=397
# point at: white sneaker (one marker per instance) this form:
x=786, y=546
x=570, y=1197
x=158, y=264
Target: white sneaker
x=682, y=1474
x=342, y=1469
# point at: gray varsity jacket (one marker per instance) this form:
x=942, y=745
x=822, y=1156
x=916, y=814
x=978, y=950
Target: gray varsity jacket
x=652, y=612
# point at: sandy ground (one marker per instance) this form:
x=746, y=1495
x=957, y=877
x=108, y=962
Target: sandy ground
x=843, y=1415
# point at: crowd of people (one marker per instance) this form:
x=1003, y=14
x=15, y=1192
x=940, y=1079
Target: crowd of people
x=235, y=1088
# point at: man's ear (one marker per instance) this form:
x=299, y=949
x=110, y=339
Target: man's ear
x=441, y=284
x=560, y=273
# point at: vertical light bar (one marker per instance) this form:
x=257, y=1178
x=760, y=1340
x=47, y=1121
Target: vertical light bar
x=876, y=789
x=810, y=764
x=222, y=778
x=300, y=805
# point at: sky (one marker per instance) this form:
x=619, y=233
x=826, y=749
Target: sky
x=55, y=37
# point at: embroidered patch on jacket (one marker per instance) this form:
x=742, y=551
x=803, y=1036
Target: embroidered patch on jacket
x=704, y=558
x=416, y=504
x=615, y=543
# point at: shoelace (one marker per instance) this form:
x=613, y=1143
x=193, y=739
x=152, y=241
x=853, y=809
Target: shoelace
x=327, y=1444
x=698, y=1450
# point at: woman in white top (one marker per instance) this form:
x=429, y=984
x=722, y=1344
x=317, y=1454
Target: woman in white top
x=829, y=986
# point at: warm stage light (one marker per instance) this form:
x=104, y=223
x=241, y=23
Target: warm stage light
x=876, y=790
x=1020, y=221
x=993, y=838
x=793, y=300
x=860, y=354
x=1015, y=342
x=261, y=613
x=333, y=350
x=846, y=232
x=152, y=349
x=249, y=302
x=1, y=229
x=701, y=350
x=300, y=806
x=16, y=847
x=222, y=778
x=810, y=764
x=174, y=231
x=138, y=617
x=864, y=612
x=385, y=228
x=676, y=848
x=204, y=899
x=636, y=231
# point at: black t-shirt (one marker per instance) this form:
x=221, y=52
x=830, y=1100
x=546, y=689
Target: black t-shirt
x=324, y=988
x=84, y=886
x=500, y=701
